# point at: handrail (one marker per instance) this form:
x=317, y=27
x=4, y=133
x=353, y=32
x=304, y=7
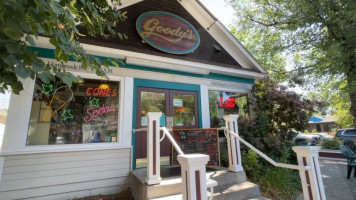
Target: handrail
x=178, y=149
x=290, y=166
x=139, y=129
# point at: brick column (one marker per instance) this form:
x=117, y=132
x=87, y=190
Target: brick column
x=233, y=144
x=153, y=148
x=194, y=176
x=312, y=182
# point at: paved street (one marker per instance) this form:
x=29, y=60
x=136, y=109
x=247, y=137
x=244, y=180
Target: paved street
x=337, y=186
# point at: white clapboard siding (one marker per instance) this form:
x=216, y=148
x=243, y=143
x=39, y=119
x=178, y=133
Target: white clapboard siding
x=49, y=191
x=69, y=165
x=64, y=159
x=84, y=193
x=57, y=172
x=65, y=175
x=61, y=154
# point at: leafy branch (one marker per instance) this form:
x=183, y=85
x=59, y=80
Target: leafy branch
x=22, y=21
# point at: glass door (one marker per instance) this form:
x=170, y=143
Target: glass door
x=184, y=109
x=181, y=106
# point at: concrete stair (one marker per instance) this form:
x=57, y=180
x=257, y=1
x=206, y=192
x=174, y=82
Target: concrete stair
x=230, y=185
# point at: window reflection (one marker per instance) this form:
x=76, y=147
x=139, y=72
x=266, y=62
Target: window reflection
x=225, y=103
x=184, y=110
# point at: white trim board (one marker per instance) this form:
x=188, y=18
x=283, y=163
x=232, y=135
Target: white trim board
x=159, y=76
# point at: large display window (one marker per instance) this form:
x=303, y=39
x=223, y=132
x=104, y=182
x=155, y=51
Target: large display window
x=87, y=112
x=225, y=103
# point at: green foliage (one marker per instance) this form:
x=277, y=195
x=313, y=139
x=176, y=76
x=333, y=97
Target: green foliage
x=251, y=165
x=258, y=44
x=279, y=112
x=338, y=100
x=276, y=183
x=316, y=37
x=280, y=183
x=331, y=144
x=314, y=131
x=22, y=21
x=306, y=131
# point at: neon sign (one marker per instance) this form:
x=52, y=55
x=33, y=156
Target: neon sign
x=46, y=89
x=49, y=113
x=66, y=115
x=228, y=103
x=93, y=113
x=101, y=92
x=94, y=102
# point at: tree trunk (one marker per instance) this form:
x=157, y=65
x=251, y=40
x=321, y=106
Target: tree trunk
x=353, y=105
x=351, y=81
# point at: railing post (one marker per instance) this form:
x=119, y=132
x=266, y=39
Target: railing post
x=312, y=183
x=193, y=176
x=153, y=148
x=233, y=144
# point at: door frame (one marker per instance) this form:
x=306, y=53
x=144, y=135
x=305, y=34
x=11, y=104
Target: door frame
x=159, y=85
x=169, y=104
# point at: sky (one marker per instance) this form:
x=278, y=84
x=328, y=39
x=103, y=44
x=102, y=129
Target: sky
x=221, y=10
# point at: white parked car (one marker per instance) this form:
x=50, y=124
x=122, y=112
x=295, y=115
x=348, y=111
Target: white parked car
x=307, y=139
x=311, y=138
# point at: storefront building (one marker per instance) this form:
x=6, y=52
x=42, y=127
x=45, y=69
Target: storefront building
x=65, y=142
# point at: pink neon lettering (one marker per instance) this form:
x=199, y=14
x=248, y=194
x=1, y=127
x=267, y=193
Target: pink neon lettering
x=94, y=113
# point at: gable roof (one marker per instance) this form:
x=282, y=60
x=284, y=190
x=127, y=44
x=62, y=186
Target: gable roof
x=218, y=31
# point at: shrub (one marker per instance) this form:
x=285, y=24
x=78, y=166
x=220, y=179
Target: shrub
x=251, y=165
x=280, y=183
x=314, y=131
x=330, y=144
x=275, y=182
x=306, y=131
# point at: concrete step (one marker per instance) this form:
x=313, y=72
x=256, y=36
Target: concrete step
x=225, y=177
x=171, y=186
x=239, y=191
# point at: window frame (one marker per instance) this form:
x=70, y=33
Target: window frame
x=85, y=146
x=246, y=92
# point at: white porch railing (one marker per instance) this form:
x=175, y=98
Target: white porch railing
x=309, y=170
x=193, y=169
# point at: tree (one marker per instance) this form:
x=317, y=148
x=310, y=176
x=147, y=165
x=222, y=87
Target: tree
x=319, y=33
x=258, y=44
x=280, y=113
x=338, y=101
x=22, y=21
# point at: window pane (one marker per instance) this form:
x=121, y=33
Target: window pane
x=350, y=133
x=226, y=103
x=152, y=102
x=183, y=110
x=84, y=113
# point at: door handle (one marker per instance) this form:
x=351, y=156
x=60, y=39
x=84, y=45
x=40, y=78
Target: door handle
x=169, y=123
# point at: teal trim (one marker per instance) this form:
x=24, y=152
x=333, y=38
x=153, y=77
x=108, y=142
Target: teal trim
x=49, y=53
x=214, y=76
x=160, y=85
x=139, y=30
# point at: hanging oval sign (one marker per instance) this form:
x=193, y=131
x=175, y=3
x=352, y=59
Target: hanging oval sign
x=167, y=32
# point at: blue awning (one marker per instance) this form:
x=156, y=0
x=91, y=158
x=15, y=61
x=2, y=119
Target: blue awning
x=316, y=119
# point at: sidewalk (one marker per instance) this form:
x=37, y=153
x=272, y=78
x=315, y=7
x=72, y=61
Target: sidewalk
x=337, y=186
